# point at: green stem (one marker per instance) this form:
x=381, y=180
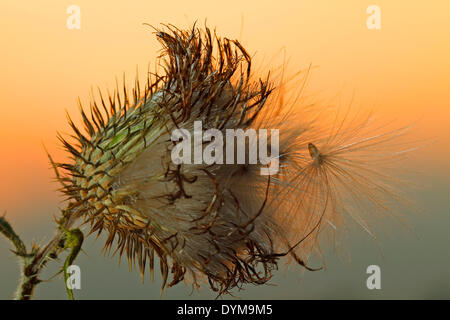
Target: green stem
x=33, y=261
x=73, y=241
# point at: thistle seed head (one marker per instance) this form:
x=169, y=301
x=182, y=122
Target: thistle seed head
x=223, y=223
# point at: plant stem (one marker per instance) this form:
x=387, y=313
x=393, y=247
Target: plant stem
x=34, y=261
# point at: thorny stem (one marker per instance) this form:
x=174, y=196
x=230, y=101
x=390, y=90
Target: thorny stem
x=74, y=241
x=33, y=261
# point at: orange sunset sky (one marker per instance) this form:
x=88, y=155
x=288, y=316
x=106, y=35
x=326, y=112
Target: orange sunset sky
x=401, y=71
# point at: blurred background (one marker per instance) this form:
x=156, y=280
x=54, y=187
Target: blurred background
x=401, y=71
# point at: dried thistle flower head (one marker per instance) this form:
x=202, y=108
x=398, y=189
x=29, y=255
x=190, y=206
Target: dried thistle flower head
x=226, y=223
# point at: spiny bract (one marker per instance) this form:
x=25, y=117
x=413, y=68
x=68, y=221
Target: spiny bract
x=224, y=223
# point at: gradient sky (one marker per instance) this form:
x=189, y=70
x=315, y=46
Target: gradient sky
x=401, y=71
